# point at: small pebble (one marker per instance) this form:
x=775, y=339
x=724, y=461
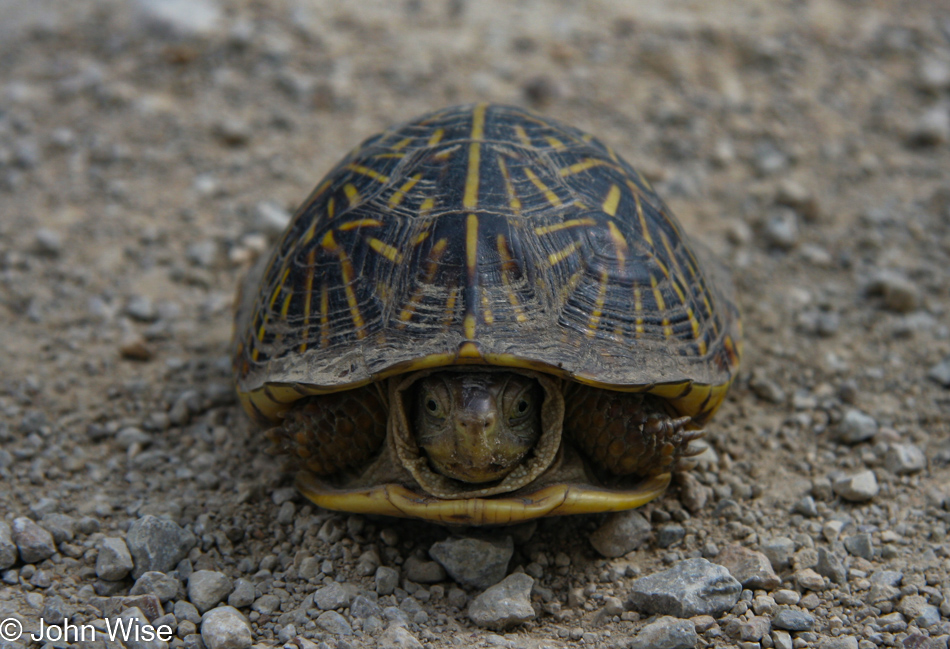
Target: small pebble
x=932, y=127
x=504, y=605
x=792, y=619
x=141, y=308
x=332, y=596
x=781, y=639
x=208, y=588
x=752, y=569
x=243, y=594
x=33, y=542
x=114, y=561
x=856, y=427
x=859, y=487
x=164, y=587
x=666, y=633
x=622, y=533
x=8, y=548
x=779, y=551
x=839, y=642
x=48, y=242
x=334, y=623
x=270, y=219
x=785, y=596
x=386, y=580
x=691, y=587
x=398, y=637
x=830, y=566
x=225, y=628
x=157, y=544
x=940, y=373
x=781, y=228
x=903, y=459
x=899, y=293
x=860, y=545
x=179, y=19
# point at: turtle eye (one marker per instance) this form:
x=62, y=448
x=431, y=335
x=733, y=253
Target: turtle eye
x=432, y=406
x=522, y=406
x=432, y=399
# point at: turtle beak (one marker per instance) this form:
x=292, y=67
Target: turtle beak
x=476, y=433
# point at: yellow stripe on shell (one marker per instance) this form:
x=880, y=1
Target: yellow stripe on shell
x=506, y=267
x=557, y=257
x=432, y=266
x=564, y=225
x=523, y=136
x=513, y=201
x=582, y=166
x=612, y=201
x=348, y=273
x=359, y=223
x=307, y=295
x=598, y=309
x=620, y=242
x=386, y=250
x=470, y=196
x=436, y=137
x=469, y=325
x=549, y=194
x=400, y=193
x=643, y=221
x=368, y=172
x=471, y=244
x=554, y=142
x=352, y=194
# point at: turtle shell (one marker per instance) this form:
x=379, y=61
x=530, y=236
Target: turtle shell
x=485, y=234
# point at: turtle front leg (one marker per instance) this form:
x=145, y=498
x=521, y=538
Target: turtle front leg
x=335, y=432
x=626, y=433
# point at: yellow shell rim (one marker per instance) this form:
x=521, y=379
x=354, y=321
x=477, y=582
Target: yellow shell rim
x=554, y=500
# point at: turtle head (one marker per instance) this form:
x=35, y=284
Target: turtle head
x=476, y=426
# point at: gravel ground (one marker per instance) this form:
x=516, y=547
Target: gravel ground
x=148, y=153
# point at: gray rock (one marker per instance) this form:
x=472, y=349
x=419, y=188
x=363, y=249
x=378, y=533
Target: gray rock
x=932, y=127
x=669, y=533
x=55, y=610
x=333, y=622
x=208, y=588
x=61, y=526
x=892, y=578
x=806, y=507
x=933, y=74
x=386, y=580
x=901, y=459
x=859, y=487
x=423, y=572
x=8, y=549
x=363, y=608
x=622, y=533
x=266, y=604
x=186, y=611
x=839, y=642
x=752, y=569
x=243, y=594
x=899, y=293
x=830, y=566
x=137, y=618
x=398, y=637
x=941, y=373
x=164, y=587
x=691, y=587
x=114, y=561
x=928, y=616
x=270, y=218
x=781, y=228
x=793, y=619
x=856, y=427
x=157, y=544
x=141, y=308
x=179, y=18
x=779, y=551
x=203, y=253
x=48, y=242
x=504, y=605
x=860, y=545
x=476, y=563
x=34, y=543
x=781, y=639
x=666, y=633
x=225, y=628
x=332, y=596
x=750, y=629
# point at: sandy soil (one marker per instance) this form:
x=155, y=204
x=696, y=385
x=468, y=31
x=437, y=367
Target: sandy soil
x=146, y=160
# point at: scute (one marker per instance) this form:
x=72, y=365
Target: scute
x=485, y=234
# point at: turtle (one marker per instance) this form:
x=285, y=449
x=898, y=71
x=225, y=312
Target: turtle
x=483, y=316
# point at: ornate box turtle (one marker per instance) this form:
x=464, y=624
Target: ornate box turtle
x=484, y=316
